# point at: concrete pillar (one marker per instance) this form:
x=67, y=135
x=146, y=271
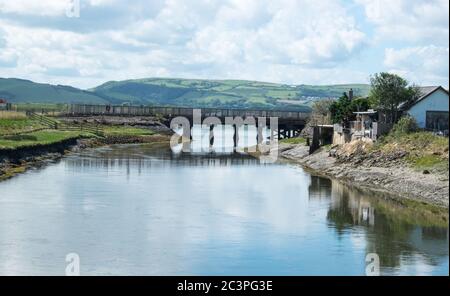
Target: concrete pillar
x=259, y=133
x=211, y=135
x=236, y=135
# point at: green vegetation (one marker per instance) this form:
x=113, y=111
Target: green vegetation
x=173, y=92
x=25, y=91
x=220, y=93
x=425, y=151
x=120, y=130
x=37, y=138
x=14, y=122
x=321, y=112
x=389, y=91
x=342, y=109
x=293, y=141
x=405, y=125
x=39, y=107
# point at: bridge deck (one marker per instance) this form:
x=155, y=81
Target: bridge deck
x=83, y=110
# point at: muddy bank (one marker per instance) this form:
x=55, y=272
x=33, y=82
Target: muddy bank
x=153, y=123
x=16, y=161
x=398, y=180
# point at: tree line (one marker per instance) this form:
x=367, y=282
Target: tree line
x=387, y=93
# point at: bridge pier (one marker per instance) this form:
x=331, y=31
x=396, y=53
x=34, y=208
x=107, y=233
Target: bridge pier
x=235, y=136
x=211, y=135
x=259, y=133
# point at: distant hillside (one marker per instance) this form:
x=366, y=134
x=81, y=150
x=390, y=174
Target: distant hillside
x=25, y=91
x=180, y=92
x=222, y=93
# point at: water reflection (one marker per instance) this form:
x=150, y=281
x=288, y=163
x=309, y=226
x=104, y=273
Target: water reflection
x=395, y=232
x=144, y=210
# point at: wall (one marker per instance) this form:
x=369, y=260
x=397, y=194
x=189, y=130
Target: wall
x=438, y=101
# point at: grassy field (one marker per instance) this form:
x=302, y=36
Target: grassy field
x=37, y=138
x=244, y=94
x=222, y=93
x=126, y=131
x=16, y=122
x=17, y=131
x=425, y=151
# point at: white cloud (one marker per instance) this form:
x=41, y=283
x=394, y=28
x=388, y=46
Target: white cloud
x=423, y=65
x=291, y=41
x=410, y=20
x=34, y=7
x=287, y=32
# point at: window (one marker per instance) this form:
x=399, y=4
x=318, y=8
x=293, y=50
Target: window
x=437, y=120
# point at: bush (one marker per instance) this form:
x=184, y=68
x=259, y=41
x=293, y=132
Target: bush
x=405, y=125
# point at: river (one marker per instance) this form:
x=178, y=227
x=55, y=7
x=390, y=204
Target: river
x=146, y=210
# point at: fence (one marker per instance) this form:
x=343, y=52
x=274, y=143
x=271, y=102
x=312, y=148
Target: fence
x=53, y=124
x=85, y=110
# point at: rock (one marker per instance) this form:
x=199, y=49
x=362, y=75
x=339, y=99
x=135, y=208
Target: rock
x=426, y=172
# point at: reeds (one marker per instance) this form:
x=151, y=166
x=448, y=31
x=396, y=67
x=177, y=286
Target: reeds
x=12, y=115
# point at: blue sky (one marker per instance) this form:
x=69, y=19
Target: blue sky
x=285, y=41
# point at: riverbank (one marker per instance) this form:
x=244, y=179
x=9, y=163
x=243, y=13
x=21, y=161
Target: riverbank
x=30, y=149
x=388, y=173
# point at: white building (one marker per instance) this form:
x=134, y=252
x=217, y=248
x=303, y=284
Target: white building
x=431, y=108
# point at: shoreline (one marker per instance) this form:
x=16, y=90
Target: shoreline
x=402, y=183
x=17, y=161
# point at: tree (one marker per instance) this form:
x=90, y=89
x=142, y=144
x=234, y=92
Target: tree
x=342, y=110
x=321, y=111
x=388, y=91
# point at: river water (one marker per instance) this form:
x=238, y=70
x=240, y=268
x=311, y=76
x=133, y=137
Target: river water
x=146, y=210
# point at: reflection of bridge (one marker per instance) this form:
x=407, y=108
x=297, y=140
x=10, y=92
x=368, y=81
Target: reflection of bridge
x=290, y=123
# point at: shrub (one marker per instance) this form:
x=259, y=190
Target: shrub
x=405, y=125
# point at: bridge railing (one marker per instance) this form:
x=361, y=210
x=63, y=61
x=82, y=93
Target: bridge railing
x=83, y=110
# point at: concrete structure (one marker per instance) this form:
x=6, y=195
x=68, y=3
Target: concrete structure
x=431, y=109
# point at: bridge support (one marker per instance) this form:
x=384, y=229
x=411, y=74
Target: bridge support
x=259, y=132
x=235, y=136
x=211, y=135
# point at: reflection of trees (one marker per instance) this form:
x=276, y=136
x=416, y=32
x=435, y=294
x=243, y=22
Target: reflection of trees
x=391, y=229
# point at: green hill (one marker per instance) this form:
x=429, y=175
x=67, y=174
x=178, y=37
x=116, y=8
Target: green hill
x=180, y=92
x=222, y=93
x=25, y=91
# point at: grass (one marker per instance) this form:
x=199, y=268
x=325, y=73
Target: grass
x=17, y=123
x=117, y=130
x=425, y=151
x=12, y=115
x=37, y=138
x=293, y=141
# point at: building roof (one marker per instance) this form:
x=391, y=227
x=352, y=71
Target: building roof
x=424, y=92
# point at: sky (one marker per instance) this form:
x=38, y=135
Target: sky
x=84, y=43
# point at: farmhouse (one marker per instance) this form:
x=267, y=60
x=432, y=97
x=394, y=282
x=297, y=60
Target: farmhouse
x=430, y=109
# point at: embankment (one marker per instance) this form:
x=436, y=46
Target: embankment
x=391, y=175
x=19, y=160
